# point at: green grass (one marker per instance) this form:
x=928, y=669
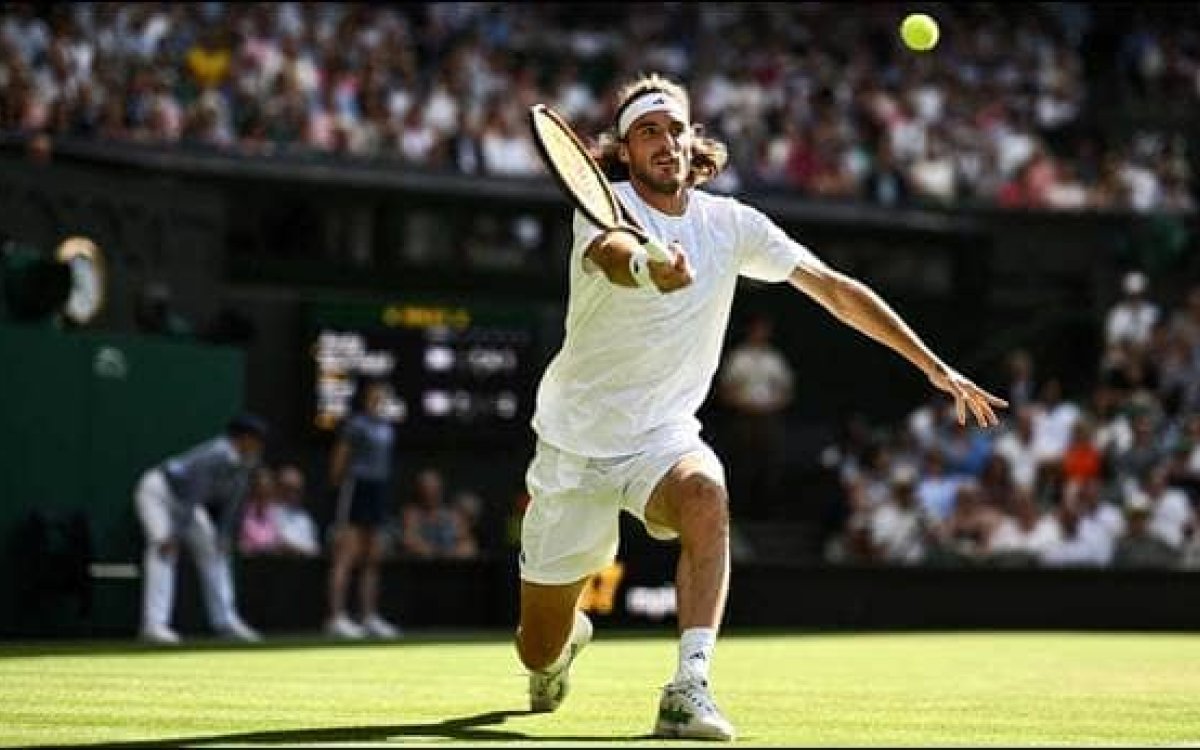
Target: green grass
x=911, y=689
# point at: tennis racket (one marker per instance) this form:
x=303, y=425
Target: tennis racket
x=579, y=176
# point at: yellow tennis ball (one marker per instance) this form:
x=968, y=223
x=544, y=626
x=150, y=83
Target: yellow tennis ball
x=919, y=32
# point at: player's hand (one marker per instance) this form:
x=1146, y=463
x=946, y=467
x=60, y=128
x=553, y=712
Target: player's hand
x=167, y=548
x=967, y=395
x=677, y=274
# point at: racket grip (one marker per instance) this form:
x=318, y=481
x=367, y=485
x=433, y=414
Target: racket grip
x=657, y=251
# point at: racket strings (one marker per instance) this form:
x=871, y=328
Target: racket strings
x=578, y=171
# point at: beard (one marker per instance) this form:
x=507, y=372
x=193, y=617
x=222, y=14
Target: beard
x=653, y=179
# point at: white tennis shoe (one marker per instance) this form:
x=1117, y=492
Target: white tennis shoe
x=376, y=626
x=237, y=630
x=341, y=626
x=547, y=690
x=159, y=634
x=687, y=710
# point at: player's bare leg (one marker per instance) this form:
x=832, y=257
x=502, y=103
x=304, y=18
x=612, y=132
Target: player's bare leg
x=550, y=634
x=695, y=504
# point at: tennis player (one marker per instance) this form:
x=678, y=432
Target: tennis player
x=615, y=416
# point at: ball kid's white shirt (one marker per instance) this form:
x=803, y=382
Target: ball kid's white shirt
x=636, y=364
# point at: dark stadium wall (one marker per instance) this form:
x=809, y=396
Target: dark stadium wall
x=83, y=415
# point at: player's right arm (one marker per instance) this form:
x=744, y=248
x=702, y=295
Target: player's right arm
x=619, y=255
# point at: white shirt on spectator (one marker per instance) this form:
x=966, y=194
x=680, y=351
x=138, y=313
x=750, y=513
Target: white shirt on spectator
x=1104, y=526
x=509, y=154
x=1010, y=537
x=1086, y=548
x=937, y=495
x=1022, y=458
x=896, y=532
x=1052, y=430
x=1169, y=516
x=1131, y=320
x=296, y=529
x=759, y=374
x=417, y=142
x=1114, y=436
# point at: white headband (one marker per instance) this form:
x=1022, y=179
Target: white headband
x=651, y=101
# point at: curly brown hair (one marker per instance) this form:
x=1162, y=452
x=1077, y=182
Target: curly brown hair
x=709, y=156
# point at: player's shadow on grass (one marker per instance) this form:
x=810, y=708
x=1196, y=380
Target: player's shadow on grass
x=476, y=728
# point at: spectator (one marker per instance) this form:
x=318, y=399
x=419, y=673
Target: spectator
x=468, y=512
x=1073, y=544
x=1171, y=516
x=259, y=533
x=1101, y=519
x=1082, y=461
x=899, y=530
x=209, y=61
x=1022, y=385
x=756, y=384
x=1145, y=449
x=1022, y=536
x=964, y=535
x=966, y=449
x=886, y=183
x=1137, y=547
x=1053, y=423
x=936, y=487
x=294, y=525
x=1185, y=321
x=431, y=529
x=1133, y=316
x=996, y=482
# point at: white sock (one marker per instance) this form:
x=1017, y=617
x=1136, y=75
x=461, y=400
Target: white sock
x=561, y=661
x=696, y=647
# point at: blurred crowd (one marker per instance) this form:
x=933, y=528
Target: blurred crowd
x=282, y=517
x=1105, y=478
x=810, y=98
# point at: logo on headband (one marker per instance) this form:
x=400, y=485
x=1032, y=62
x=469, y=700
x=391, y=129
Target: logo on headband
x=650, y=101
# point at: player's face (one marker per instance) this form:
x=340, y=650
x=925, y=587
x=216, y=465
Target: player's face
x=658, y=150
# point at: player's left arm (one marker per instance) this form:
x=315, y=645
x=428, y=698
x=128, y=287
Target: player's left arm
x=857, y=305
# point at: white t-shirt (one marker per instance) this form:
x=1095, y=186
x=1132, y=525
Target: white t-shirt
x=897, y=532
x=760, y=376
x=1010, y=537
x=636, y=363
x=1131, y=320
x=1169, y=516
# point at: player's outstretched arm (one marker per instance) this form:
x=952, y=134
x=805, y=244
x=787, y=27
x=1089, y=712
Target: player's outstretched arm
x=857, y=305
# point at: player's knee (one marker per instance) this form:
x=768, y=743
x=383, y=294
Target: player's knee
x=704, y=510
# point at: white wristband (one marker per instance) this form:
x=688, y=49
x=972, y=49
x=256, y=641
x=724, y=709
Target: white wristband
x=639, y=268
x=657, y=251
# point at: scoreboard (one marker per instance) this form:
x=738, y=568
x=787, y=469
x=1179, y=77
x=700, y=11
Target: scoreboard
x=459, y=372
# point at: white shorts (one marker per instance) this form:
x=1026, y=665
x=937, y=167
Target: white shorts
x=571, y=526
